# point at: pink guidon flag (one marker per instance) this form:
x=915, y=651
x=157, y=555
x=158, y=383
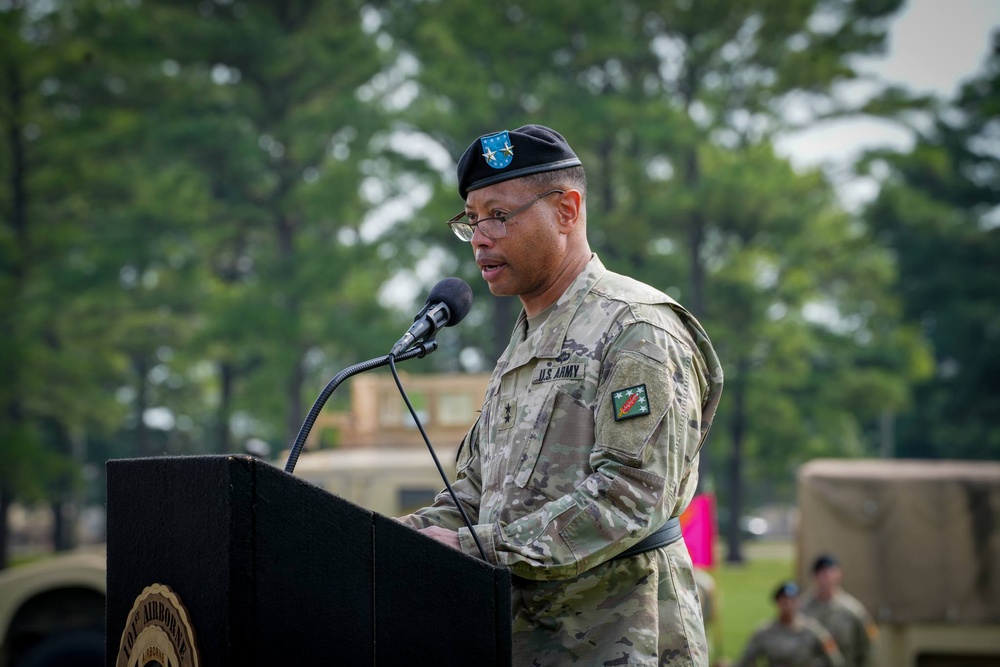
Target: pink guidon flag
x=698, y=527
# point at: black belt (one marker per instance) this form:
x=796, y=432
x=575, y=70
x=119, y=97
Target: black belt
x=666, y=534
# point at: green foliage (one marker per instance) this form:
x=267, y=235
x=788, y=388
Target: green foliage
x=933, y=212
x=56, y=365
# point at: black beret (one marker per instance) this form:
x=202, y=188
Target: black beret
x=788, y=589
x=823, y=562
x=493, y=158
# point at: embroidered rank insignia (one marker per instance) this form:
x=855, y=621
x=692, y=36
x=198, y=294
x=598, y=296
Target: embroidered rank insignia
x=497, y=149
x=507, y=416
x=630, y=402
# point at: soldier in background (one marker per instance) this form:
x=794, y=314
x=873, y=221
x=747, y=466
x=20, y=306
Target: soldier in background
x=840, y=613
x=792, y=639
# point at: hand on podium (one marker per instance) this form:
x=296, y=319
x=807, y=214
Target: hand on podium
x=443, y=535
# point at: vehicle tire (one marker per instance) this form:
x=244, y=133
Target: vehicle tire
x=73, y=649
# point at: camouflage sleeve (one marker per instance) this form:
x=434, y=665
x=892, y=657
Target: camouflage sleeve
x=467, y=487
x=642, y=430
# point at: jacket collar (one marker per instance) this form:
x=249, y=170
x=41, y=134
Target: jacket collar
x=552, y=333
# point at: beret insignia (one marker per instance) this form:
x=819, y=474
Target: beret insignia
x=497, y=149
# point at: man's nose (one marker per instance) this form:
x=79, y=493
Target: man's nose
x=479, y=239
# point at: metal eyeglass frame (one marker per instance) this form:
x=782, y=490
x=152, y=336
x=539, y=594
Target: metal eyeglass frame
x=466, y=230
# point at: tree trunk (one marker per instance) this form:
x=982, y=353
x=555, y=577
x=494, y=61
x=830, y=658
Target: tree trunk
x=286, y=226
x=737, y=431
x=293, y=395
x=61, y=540
x=6, y=498
x=63, y=507
x=16, y=268
x=695, y=301
x=227, y=374
x=142, y=442
x=605, y=151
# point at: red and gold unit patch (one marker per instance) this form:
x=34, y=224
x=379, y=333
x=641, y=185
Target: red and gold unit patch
x=630, y=402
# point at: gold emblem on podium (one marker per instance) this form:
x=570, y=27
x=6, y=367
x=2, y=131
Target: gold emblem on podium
x=158, y=632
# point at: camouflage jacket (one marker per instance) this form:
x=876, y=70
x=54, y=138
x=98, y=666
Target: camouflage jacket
x=802, y=643
x=849, y=623
x=587, y=442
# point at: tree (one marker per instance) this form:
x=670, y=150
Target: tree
x=222, y=228
x=937, y=211
x=810, y=329
x=56, y=368
x=250, y=117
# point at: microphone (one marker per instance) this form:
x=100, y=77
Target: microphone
x=447, y=304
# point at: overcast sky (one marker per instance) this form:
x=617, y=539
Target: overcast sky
x=934, y=45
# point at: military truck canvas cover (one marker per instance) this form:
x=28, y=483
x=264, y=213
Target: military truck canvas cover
x=918, y=541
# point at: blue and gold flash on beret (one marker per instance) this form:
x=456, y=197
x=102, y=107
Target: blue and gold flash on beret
x=501, y=156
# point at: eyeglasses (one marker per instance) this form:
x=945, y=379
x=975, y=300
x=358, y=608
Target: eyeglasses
x=495, y=227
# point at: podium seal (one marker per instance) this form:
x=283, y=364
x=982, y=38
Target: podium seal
x=158, y=632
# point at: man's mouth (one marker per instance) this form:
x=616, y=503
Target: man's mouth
x=490, y=268
x=489, y=264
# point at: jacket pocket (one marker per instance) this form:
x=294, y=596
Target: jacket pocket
x=558, y=456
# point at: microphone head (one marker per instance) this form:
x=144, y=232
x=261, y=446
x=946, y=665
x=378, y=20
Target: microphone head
x=454, y=293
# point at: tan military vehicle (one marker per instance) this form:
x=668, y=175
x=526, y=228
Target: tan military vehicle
x=380, y=460
x=919, y=545
x=52, y=612
x=391, y=481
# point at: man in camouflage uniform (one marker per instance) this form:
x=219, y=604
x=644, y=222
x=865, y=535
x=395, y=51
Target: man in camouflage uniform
x=840, y=612
x=588, y=439
x=792, y=639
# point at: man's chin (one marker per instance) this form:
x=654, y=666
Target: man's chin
x=498, y=289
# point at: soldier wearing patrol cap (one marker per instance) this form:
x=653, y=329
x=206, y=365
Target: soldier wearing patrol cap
x=586, y=449
x=791, y=640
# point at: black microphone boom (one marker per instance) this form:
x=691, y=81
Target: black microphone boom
x=416, y=352
x=447, y=304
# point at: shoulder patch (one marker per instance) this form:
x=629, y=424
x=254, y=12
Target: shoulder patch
x=630, y=402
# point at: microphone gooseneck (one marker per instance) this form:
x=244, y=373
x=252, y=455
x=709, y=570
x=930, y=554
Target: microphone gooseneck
x=416, y=352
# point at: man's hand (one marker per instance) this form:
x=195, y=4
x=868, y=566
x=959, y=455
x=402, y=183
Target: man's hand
x=443, y=535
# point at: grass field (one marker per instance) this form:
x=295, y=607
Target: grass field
x=743, y=595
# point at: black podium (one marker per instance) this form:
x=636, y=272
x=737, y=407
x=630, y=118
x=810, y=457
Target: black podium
x=275, y=571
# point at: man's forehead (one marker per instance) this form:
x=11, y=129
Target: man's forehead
x=498, y=193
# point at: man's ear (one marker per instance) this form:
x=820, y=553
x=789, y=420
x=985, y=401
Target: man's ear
x=570, y=209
